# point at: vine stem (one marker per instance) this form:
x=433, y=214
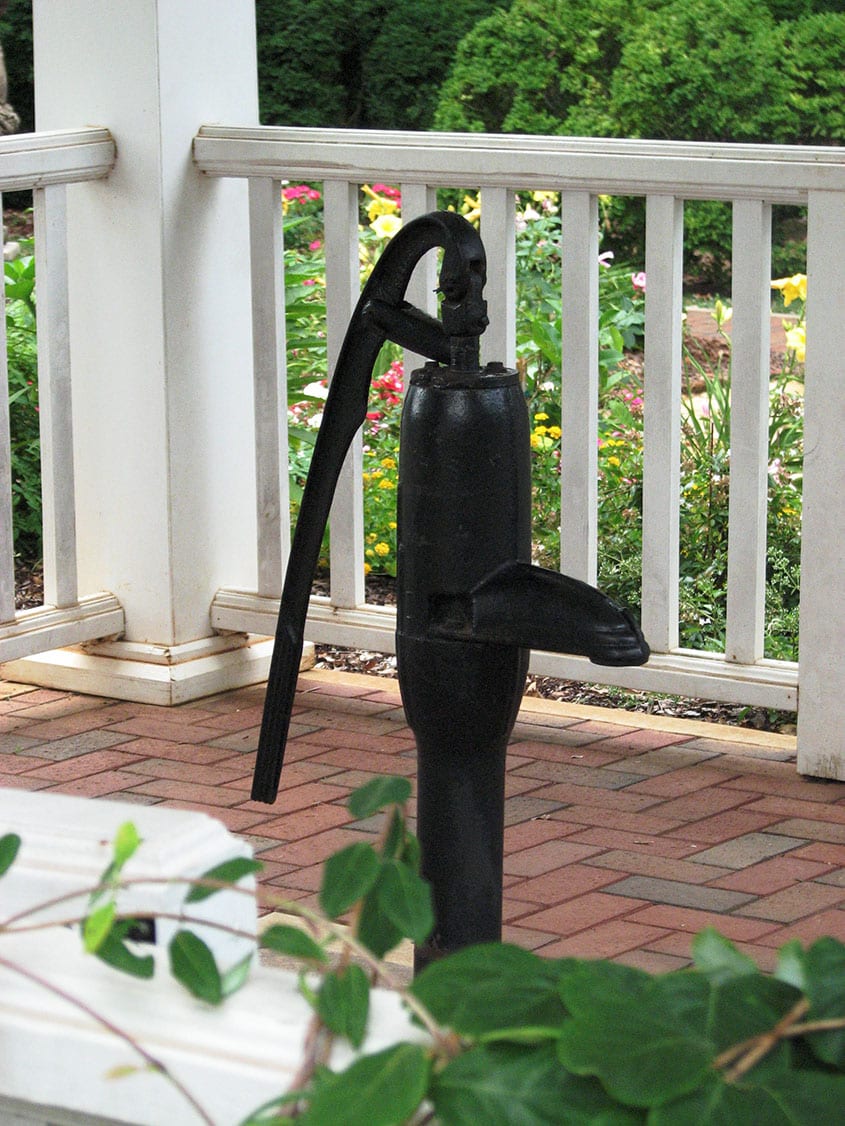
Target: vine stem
x=751, y=1051
x=119, y=885
x=115, y=1029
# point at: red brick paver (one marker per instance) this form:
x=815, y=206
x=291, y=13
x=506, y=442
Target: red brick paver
x=623, y=838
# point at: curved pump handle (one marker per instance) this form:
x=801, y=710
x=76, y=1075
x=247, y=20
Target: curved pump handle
x=381, y=314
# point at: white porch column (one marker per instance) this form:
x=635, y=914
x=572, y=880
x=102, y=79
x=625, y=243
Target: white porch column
x=160, y=338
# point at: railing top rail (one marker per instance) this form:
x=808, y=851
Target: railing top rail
x=33, y=160
x=778, y=173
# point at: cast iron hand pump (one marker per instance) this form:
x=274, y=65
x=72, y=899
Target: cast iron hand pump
x=470, y=605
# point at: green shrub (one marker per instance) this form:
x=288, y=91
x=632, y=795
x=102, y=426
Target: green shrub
x=357, y=63
x=23, y=407
x=502, y=1035
x=696, y=70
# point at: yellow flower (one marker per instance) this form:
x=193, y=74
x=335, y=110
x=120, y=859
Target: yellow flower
x=386, y=226
x=381, y=206
x=367, y=568
x=796, y=342
x=382, y=549
x=721, y=312
x=792, y=288
x=371, y=537
x=392, y=525
x=541, y=431
x=388, y=463
x=555, y=432
x=386, y=483
x=471, y=208
x=541, y=417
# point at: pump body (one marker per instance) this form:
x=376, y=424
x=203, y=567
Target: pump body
x=464, y=509
x=470, y=605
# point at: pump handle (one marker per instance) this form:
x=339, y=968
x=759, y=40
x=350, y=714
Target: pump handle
x=381, y=314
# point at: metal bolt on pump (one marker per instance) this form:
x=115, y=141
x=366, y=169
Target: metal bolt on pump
x=470, y=605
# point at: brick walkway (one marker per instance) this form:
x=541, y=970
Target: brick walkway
x=625, y=834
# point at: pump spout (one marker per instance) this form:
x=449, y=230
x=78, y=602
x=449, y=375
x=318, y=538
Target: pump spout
x=534, y=608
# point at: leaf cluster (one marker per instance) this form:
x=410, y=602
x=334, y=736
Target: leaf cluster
x=506, y=1036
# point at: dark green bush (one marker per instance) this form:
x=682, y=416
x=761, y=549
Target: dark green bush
x=357, y=63
x=700, y=70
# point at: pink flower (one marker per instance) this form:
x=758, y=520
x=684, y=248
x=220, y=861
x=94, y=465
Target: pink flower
x=315, y=245
x=638, y=280
x=605, y=258
x=387, y=190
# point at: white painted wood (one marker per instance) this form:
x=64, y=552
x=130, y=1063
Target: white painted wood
x=342, y=293
x=160, y=315
x=231, y=1059
x=48, y=627
x=243, y=662
x=750, y=360
x=693, y=170
x=54, y=397
x=419, y=199
x=7, y=543
x=59, y=157
x=662, y=420
x=684, y=672
x=821, y=721
x=270, y=382
x=67, y=842
x=579, y=394
x=498, y=232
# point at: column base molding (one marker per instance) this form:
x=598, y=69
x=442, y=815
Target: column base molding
x=152, y=674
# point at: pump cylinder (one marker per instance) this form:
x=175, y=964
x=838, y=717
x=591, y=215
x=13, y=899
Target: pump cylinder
x=464, y=509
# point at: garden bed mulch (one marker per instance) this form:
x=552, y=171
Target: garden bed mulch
x=381, y=591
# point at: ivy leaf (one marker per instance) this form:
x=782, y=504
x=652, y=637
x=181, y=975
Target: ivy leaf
x=824, y=965
x=582, y=981
x=378, y=1090
x=748, y=1006
x=405, y=898
x=792, y=1098
x=375, y=930
x=230, y=870
x=347, y=877
x=293, y=942
x=235, y=976
x=718, y=958
x=790, y=965
x=126, y=842
x=378, y=793
x=500, y=1085
x=491, y=987
x=9, y=845
x=115, y=953
x=96, y=927
x=193, y=964
x=646, y=1049
x=343, y=1003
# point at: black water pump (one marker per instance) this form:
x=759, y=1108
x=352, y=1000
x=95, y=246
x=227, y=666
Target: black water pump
x=470, y=605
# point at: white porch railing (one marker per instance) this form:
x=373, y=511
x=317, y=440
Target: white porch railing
x=752, y=178
x=46, y=163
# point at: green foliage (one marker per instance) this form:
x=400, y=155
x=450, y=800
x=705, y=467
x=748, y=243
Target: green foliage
x=695, y=70
x=360, y=63
x=10, y=843
x=506, y=1036
x=542, y=66
x=16, y=39
x=23, y=406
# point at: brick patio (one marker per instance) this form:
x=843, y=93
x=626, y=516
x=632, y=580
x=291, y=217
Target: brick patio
x=625, y=833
